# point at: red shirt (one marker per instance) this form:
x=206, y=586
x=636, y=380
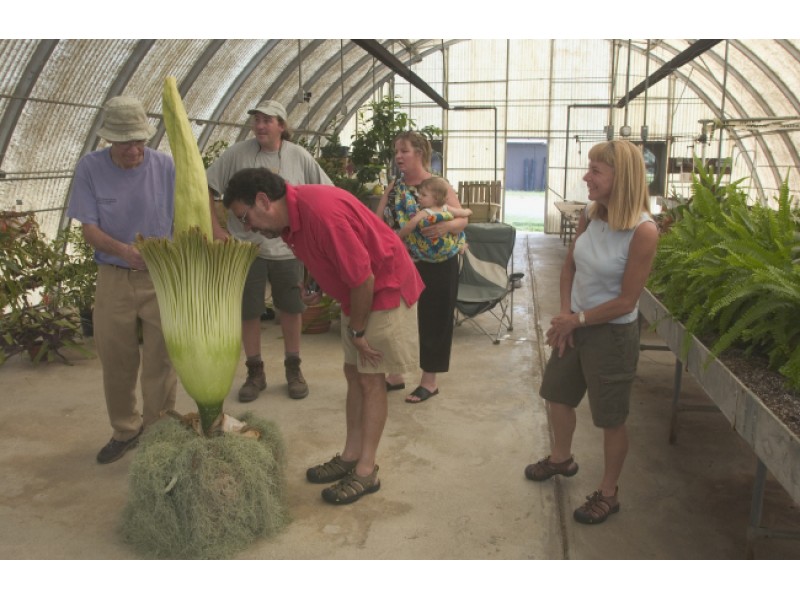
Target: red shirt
x=342, y=242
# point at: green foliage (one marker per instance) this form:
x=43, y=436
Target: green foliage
x=213, y=152
x=372, y=150
x=304, y=143
x=726, y=270
x=195, y=497
x=41, y=288
x=78, y=269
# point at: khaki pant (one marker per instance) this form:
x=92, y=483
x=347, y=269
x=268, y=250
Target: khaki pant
x=124, y=298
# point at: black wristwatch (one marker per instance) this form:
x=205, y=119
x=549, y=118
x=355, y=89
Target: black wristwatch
x=356, y=334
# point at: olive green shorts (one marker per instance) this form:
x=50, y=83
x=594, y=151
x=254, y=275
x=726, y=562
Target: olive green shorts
x=285, y=278
x=603, y=362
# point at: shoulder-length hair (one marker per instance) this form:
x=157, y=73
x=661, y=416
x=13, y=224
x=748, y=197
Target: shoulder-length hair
x=629, y=194
x=420, y=144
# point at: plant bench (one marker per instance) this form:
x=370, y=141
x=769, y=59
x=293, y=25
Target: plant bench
x=776, y=447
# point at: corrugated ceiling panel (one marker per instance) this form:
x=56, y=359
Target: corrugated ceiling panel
x=214, y=81
x=167, y=58
x=512, y=76
x=68, y=95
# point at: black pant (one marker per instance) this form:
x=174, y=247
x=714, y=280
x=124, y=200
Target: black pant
x=435, y=313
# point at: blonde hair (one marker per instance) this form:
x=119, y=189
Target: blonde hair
x=629, y=194
x=438, y=187
x=419, y=143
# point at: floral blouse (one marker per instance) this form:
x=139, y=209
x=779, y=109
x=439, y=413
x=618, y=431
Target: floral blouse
x=404, y=208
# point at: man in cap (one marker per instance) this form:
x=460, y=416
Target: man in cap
x=119, y=192
x=271, y=148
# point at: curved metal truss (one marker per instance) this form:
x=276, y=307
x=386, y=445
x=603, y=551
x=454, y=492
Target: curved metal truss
x=52, y=91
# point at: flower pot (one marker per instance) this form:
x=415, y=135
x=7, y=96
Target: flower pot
x=317, y=318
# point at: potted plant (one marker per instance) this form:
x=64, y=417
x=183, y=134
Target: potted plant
x=321, y=309
x=333, y=147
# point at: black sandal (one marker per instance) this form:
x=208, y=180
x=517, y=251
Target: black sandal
x=421, y=393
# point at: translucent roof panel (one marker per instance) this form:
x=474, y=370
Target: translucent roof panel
x=737, y=99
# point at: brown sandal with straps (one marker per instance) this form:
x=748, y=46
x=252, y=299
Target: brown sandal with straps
x=352, y=487
x=597, y=508
x=334, y=469
x=544, y=469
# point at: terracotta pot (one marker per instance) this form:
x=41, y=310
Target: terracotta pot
x=317, y=319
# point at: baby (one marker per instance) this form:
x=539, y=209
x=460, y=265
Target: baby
x=433, y=208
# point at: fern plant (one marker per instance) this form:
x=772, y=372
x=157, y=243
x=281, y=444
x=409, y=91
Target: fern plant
x=727, y=271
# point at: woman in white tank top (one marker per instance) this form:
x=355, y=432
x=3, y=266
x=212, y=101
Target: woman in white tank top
x=595, y=337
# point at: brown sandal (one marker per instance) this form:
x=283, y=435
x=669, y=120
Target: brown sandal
x=352, y=487
x=544, y=469
x=597, y=508
x=334, y=469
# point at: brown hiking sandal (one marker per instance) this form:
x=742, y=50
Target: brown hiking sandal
x=544, y=469
x=352, y=487
x=334, y=469
x=597, y=508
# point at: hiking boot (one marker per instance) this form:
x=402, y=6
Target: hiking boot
x=114, y=449
x=256, y=381
x=298, y=388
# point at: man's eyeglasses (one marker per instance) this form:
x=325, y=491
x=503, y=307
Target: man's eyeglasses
x=243, y=218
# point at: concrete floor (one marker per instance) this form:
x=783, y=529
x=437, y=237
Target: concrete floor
x=451, y=468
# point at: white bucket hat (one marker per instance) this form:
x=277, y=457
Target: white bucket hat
x=271, y=108
x=125, y=121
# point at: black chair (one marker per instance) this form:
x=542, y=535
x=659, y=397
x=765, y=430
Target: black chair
x=487, y=280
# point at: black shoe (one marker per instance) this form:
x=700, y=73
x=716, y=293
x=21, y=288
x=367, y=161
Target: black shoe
x=114, y=449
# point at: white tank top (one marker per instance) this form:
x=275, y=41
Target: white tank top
x=600, y=258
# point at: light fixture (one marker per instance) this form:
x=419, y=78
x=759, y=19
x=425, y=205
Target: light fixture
x=625, y=131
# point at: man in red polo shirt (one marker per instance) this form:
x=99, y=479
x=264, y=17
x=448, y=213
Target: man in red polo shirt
x=361, y=263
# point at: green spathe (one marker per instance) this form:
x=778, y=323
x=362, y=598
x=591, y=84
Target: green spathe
x=198, y=282
x=199, y=286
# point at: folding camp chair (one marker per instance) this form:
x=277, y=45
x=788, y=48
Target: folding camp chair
x=487, y=280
